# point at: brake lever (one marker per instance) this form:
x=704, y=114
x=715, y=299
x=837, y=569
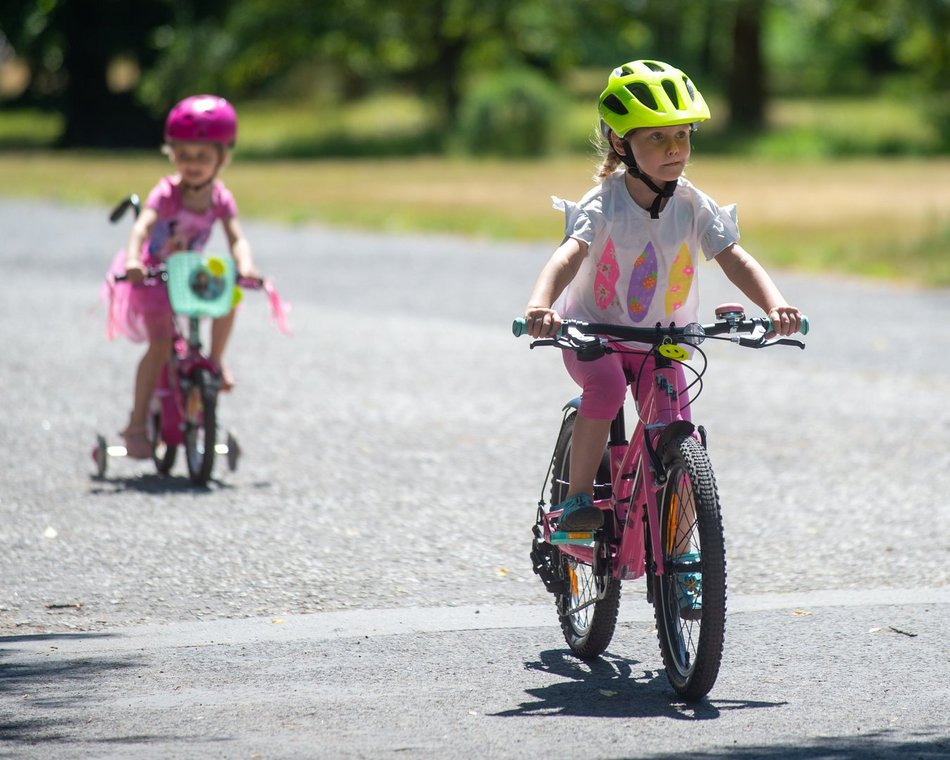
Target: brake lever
x=786, y=342
x=546, y=342
x=763, y=343
x=587, y=347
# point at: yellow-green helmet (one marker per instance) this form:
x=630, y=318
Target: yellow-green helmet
x=650, y=94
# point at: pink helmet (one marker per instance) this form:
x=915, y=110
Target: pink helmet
x=202, y=118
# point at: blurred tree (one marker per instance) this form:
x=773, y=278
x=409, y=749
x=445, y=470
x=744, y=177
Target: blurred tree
x=746, y=86
x=432, y=46
x=85, y=57
x=926, y=49
x=428, y=42
x=113, y=67
x=856, y=47
x=866, y=48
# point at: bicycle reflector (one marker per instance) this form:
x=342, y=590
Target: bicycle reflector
x=200, y=285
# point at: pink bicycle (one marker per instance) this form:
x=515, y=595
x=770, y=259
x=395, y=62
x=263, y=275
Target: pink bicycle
x=183, y=411
x=661, y=505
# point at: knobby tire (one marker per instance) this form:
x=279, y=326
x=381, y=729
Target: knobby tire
x=588, y=632
x=691, y=641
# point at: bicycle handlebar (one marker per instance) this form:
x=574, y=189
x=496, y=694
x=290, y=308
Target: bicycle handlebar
x=278, y=307
x=159, y=273
x=692, y=334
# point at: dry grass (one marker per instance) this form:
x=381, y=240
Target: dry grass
x=877, y=217
x=831, y=195
x=887, y=218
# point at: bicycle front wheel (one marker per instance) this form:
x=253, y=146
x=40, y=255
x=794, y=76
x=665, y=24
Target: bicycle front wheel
x=163, y=453
x=690, y=596
x=591, y=600
x=201, y=427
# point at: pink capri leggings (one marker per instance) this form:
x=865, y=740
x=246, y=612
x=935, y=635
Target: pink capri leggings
x=604, y=384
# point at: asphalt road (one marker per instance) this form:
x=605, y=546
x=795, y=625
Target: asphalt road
x=360, y=586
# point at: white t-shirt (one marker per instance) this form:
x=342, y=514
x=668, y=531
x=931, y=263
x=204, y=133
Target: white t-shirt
x=639, y=270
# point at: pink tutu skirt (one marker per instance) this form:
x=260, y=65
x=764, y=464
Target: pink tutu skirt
x=138, y=312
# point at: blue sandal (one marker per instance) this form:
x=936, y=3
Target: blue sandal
x=579, y=514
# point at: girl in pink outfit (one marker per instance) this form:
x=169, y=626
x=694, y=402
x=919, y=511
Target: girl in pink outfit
x=179, y=215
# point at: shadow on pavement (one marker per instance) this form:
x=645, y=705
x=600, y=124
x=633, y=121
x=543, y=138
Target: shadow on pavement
x=42, y=681
x=153, y=484
x=48, y=637
x=875, y=746
x=614, y=687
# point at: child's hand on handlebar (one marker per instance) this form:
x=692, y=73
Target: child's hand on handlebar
x=786, y=320
x=541, y=322
x=134, y=271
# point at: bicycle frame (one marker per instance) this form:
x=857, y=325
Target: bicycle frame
x=637, y=478
x=172, y=389
x=662, y=516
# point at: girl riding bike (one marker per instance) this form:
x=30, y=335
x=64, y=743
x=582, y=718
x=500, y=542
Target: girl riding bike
x=179, y=215
x=630, y=255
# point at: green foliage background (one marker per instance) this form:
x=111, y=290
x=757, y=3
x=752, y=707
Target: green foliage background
x=462, y=60
x=415, y=98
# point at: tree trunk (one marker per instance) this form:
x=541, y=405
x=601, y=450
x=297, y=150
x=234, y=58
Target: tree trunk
x=94, y=116
x=746, y=88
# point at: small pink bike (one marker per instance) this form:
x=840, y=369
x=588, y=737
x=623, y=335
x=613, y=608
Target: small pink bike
x=183, y=411
x=661, y=505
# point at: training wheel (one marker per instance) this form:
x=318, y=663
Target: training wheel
x=100, y=455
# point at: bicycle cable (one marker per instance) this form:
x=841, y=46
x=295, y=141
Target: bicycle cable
x=647, y=353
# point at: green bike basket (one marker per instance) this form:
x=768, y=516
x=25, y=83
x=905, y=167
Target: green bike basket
x=200, y=284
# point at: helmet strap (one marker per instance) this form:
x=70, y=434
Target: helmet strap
x=634, y=171
x=198, y=188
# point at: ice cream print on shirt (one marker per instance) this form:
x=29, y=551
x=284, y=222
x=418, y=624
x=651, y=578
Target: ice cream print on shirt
x=644, y=278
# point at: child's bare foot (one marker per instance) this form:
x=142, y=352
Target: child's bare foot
x=227, y=379
x=137, y=445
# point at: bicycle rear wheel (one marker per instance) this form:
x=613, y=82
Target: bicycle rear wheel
x=589, y=605
x=201, y=426
x=588, y=608
x=690, y=597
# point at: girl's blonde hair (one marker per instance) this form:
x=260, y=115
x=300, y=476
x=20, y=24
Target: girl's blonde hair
x=610, y=160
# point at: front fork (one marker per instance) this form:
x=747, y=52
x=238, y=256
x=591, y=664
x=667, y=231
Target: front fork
x=652, y=529
x=656, y=438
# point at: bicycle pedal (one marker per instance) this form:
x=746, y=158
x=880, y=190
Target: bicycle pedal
x=543, y=564
x=572, y=537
